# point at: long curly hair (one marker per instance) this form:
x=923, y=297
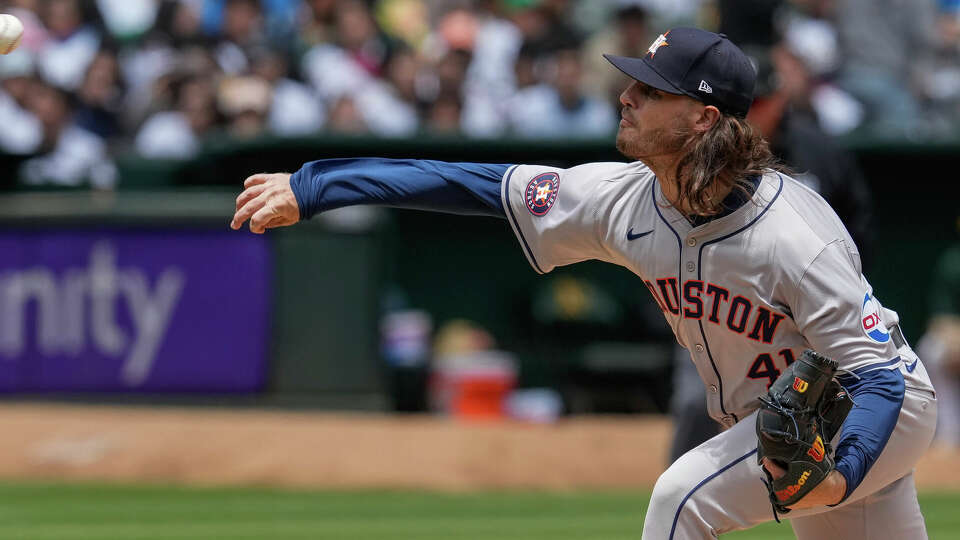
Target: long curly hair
x=725, y=156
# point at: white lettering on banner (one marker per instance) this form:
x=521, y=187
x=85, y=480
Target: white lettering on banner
x=61, y=320
x=150, y=316
x=103, y=279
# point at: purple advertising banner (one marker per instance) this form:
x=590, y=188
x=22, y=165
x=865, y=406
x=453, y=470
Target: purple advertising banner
x=167, y=310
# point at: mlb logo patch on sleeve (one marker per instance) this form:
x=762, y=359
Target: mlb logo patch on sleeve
x=541, y=193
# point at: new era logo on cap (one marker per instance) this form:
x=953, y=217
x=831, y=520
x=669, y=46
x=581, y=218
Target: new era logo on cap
x=681, y=62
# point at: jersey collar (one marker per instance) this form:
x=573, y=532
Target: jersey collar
x=733, y=201
x=738, y=208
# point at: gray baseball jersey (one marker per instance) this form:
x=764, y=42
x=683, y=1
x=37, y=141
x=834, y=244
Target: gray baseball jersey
x=745, y=293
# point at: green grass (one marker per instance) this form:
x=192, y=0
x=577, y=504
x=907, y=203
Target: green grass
x=106, y=512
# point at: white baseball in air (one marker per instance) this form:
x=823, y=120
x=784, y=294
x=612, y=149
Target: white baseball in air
x=11, y=30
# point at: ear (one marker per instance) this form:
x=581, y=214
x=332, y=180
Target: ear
x=709, y=116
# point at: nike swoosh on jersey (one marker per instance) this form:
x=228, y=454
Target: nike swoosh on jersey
x=631, y=236
x=911, y=367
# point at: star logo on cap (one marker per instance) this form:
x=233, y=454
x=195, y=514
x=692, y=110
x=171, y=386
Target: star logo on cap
x=657, y=43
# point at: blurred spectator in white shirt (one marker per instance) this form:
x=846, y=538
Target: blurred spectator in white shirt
x=561, y=109
x=494, y=46
x=813, y=45
x=175, y=34
x=243, y=29
x=482, y=48
x=127, y=19
x=178, y=133
x=353, y=61
x=160, y=93
x=391, y=107
x=332, y=72
x=71, y=155
x=71, y=45
x=382, y=109
x=296, y=108
x=384, y=112
x=22, y=132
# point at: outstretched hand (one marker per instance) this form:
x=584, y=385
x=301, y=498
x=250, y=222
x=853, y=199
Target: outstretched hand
x=267, y=201
x=830, y=491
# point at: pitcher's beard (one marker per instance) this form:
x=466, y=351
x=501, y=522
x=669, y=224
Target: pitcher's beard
x=657, y=142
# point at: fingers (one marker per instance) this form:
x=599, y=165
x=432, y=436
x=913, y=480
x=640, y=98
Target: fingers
x=276, y=221
x=254, y=186
x=266, y=202
x=248, y=194
x=279, y=220
x=256, y=179
x=260, y=220
x=249, y=209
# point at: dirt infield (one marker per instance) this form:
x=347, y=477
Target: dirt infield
x=226, y=447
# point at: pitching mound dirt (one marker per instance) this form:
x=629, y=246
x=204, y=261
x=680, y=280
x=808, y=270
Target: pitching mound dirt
x=321, y=450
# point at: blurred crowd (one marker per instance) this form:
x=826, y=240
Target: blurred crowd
x=94, y=78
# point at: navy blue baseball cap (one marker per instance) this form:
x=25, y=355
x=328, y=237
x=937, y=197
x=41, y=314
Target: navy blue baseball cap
x=703, y=65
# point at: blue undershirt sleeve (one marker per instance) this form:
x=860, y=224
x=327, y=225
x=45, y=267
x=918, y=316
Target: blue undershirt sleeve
x=878, y=396
x=458, y=188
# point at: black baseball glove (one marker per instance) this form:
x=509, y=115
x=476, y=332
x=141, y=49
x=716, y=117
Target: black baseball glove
x=802, y=411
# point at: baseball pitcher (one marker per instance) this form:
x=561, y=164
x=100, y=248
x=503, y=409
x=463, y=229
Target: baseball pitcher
x=754, y=272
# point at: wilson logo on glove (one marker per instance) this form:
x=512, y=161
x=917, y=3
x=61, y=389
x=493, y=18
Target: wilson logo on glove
x=790, y=491
x=800, y=385
x=817, y=451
